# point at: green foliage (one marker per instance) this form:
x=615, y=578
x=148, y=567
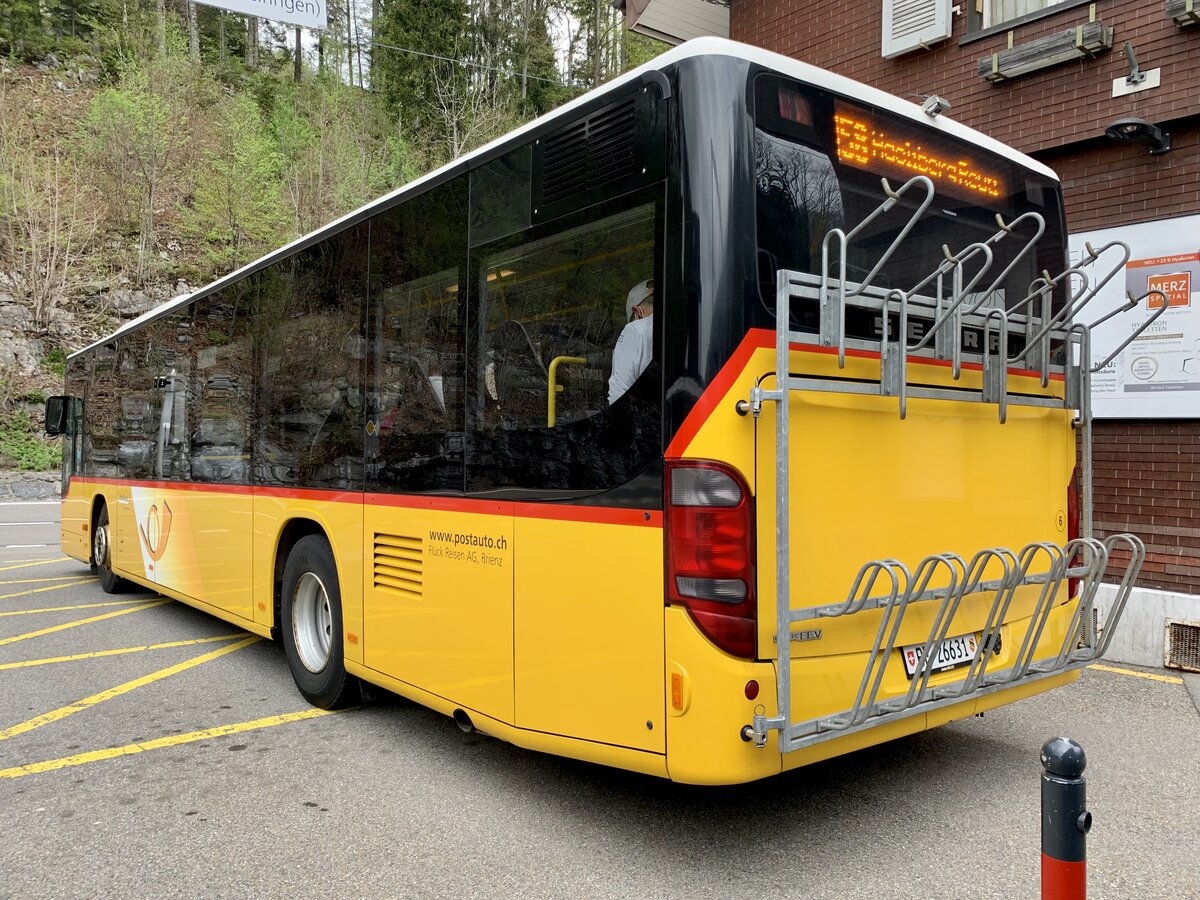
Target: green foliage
x=55, y=362
x=20, y=442
x=235, y=206
x=137, y=141
x=406, y=81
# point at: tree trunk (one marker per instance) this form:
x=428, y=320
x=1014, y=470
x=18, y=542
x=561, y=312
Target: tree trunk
x=374, y=32
x=252, y=42
x=296, y=65
x=321, y=54
x=349, y=45
x=222, y=45
x=193, y=32
x=160, y=11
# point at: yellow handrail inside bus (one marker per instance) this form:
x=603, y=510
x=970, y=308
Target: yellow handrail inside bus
x=553, y=387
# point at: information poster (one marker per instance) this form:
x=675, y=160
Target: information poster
x=1158, y=375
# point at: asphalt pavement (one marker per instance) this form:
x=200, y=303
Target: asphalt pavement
x=149, y=750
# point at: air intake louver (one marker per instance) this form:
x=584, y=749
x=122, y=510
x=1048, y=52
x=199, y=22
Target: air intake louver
x=1183, y=646
x=590, y=154
x=399, y=564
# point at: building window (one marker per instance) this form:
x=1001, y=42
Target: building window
x=997, y=12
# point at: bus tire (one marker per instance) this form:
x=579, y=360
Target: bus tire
x=110, y=582
x=311, y=626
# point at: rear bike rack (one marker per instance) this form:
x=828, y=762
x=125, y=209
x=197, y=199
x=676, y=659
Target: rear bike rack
x=951, y=300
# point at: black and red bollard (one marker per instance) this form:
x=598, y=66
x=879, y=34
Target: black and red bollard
x=1065, y=821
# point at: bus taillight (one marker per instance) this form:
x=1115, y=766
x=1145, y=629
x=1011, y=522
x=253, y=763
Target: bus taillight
x=1073, y=524
x=710, y=552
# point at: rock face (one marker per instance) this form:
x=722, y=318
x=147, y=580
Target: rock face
x=29, y=485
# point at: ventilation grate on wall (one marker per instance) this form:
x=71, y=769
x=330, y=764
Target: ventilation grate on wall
x=591, y=153
x=1183, y=646
x=399, y=565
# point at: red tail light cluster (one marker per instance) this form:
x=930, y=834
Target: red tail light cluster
x=1073, y=524
x=710, y=552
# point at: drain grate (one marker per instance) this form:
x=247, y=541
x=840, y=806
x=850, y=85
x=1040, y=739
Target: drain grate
x=1183, y=646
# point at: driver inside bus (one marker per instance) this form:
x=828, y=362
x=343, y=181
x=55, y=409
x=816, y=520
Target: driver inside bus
x=635, y=345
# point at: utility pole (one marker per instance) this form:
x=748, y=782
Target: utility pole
x=296, y=65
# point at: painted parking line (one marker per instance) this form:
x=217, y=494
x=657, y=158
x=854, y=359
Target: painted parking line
x=168, y=645
x=51, y=609
x=53, y=587
x=26, y=563
x=42, y=580
x=174, y=740
x=65, y=625
x=56, y=715
x=1166, y=679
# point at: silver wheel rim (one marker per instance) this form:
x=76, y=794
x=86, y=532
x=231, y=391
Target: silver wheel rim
x=312, y=622
x=100, y=546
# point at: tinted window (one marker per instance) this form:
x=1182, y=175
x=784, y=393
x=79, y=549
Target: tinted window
x=549, y=306
x=819, y=163
x=500, y=197
x=221, y=389
x=137, y=410
x=102, y=414
x=308, y=328
x=416, y=400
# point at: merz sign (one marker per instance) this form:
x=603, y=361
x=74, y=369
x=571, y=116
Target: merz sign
x=307, y=13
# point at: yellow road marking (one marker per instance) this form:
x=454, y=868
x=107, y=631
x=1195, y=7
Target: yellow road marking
x=1167, y=679
x=53, y=587
x=99, y=653
x=43, y=580
x=50, y=609
x=174, y=740
x=66, y=625
x=62, y=712
x=34, y=562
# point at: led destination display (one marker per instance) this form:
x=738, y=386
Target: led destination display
x=886, y=148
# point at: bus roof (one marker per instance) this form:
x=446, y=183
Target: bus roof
x=707, y=46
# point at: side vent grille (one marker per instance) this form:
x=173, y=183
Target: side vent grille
x=1183, y=646
x=399, y=565
x=590, y=154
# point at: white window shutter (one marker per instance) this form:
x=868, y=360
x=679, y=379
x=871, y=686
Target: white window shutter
x=909, y=24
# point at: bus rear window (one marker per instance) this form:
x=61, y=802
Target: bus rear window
x=823, y=169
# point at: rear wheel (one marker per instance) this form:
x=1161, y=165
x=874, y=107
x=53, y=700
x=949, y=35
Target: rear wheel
x=110, y=582
x=311, y=625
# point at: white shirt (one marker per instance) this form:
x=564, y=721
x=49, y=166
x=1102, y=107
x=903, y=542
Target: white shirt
x=631, y=355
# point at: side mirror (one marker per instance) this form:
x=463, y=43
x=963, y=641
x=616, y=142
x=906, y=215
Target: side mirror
x=56, y=415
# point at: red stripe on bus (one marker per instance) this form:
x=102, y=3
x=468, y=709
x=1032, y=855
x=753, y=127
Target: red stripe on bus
x=755, y=339
x=603, y=515
x=761, y=339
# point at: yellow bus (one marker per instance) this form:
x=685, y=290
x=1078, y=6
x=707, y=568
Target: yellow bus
x=513, y=441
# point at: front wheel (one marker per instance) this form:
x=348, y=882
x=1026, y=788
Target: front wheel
x=110, y=582
x=311, y=625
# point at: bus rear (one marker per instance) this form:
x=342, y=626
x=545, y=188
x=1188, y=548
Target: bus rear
x=902, y=547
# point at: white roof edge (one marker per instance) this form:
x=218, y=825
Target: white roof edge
x=705, y=46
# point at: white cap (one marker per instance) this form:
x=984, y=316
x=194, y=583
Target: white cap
x=637, y=294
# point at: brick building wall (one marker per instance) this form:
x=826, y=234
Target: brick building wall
x=1041, y=110
x=1147, y=480
x=1147, y=473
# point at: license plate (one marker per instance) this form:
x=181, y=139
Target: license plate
x=949, y=654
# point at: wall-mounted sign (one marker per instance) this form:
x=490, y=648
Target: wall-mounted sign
x=307, y=13
x=1158, y=375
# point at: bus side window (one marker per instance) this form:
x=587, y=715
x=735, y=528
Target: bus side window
x=220, y=395
x=416, y=386
x=551, y=304
x=102, y=414
x=309, y=337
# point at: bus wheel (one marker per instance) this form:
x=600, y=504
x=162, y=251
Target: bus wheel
x=311, y=625
x=110, y=582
